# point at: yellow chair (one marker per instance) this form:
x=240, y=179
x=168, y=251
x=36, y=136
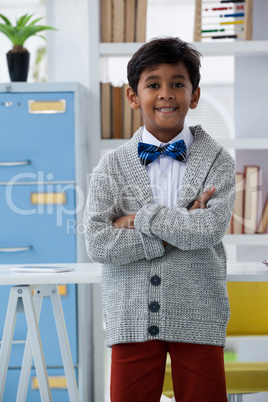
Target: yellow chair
x=249, y=317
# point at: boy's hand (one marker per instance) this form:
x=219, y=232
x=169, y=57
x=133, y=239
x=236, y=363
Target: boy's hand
x=126, y=222
x=203, y=199
x=200, y=203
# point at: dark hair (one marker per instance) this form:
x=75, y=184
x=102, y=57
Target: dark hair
x=164, y=50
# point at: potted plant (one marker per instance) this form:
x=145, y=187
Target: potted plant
x=18, y=57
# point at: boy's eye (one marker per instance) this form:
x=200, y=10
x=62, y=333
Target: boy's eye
x=153, y=86
x=178, y=85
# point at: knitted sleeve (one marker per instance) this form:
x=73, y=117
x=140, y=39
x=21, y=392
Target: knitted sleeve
x=199, y=228
x=105, y=243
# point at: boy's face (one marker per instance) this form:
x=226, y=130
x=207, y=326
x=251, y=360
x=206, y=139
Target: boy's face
x=164, y=95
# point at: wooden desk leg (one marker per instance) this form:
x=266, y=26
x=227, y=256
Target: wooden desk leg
x=36, y=345
x=8, y=333
x=64, y=343
x=52, y=292
x=28, y=356
x=21, y=297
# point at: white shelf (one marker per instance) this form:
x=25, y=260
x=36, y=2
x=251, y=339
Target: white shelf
x=244, y=143
x=236, y=143
x=246, y=239
x=112, y=143
x=235, y=48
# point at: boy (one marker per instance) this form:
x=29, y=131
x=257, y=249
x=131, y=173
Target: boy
x=155, y=217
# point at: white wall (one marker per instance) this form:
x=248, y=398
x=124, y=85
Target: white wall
x=68, y=50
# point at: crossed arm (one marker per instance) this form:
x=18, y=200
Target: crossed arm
x=202, y=226
x=127, y=221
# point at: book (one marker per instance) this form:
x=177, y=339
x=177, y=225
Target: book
x=117, y=111
x=238, y=213
x=127, y=115
x=251, y=199
x=130, y=21
x=123, y=20
x=106, y=20
x=106, y=118
x=118, y=21
x=41, y=269
x=141, y=14
x=264, y=219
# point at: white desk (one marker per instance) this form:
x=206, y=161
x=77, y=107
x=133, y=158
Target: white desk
x=22, y=300
x=247, y=272
x=83, y=273
x=91, y=273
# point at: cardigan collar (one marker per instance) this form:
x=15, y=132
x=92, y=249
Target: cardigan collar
x=204, y=151
x=136, y=173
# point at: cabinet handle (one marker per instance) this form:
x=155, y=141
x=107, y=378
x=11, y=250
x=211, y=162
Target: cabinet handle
x=14, y=249
x=15, y=163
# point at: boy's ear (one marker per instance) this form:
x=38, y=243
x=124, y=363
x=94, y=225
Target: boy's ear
x=132, y=98
x=195, y=98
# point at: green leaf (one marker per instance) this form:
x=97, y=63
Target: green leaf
x=26, y=19
x=35, y=21
x=32, y=30
x=22, y=21
x=5, y=19
x=41, y=36
x=8, y=31
x=21, y=31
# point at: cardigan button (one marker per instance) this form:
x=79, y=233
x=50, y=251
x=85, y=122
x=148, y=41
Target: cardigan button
x=154, y=307
x=153, y=330
x=155, y=280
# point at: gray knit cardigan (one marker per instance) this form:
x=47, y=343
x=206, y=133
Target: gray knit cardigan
x=173, y=293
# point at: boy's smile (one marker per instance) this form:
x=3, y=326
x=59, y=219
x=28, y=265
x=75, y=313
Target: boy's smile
x=164, y=95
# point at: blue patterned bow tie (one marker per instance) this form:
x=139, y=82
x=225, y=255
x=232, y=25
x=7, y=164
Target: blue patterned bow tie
x=148, y=153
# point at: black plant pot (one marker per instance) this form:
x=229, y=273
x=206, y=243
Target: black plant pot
x=18, y=65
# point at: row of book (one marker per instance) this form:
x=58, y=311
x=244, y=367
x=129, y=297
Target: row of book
x=118, y=120
x=123, y=20
x=246, y=218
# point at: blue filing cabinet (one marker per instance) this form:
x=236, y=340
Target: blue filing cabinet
x=44, y=161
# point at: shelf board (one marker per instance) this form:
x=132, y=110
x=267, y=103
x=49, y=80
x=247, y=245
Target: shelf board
x=246, y=239
x=112, y=143
x=244, y=143
x=228, y=143
x=235, y=48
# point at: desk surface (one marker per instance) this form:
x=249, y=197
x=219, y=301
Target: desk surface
x=82, y=273
x=91, y=273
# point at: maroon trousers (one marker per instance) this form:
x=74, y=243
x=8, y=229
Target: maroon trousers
x=138, y=369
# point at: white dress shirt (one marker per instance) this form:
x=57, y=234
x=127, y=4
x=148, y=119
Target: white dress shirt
x=165, y=173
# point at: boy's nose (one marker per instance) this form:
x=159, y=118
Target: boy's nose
x=166, y=94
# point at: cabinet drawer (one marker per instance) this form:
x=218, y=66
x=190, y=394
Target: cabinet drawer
x=36, y=146
x=32, y=229
x=56, y=380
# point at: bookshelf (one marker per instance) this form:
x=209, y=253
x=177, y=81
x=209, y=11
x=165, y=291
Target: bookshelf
x=244, y=48
x=236, y=143
x=246, y=240
x=253, y=51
